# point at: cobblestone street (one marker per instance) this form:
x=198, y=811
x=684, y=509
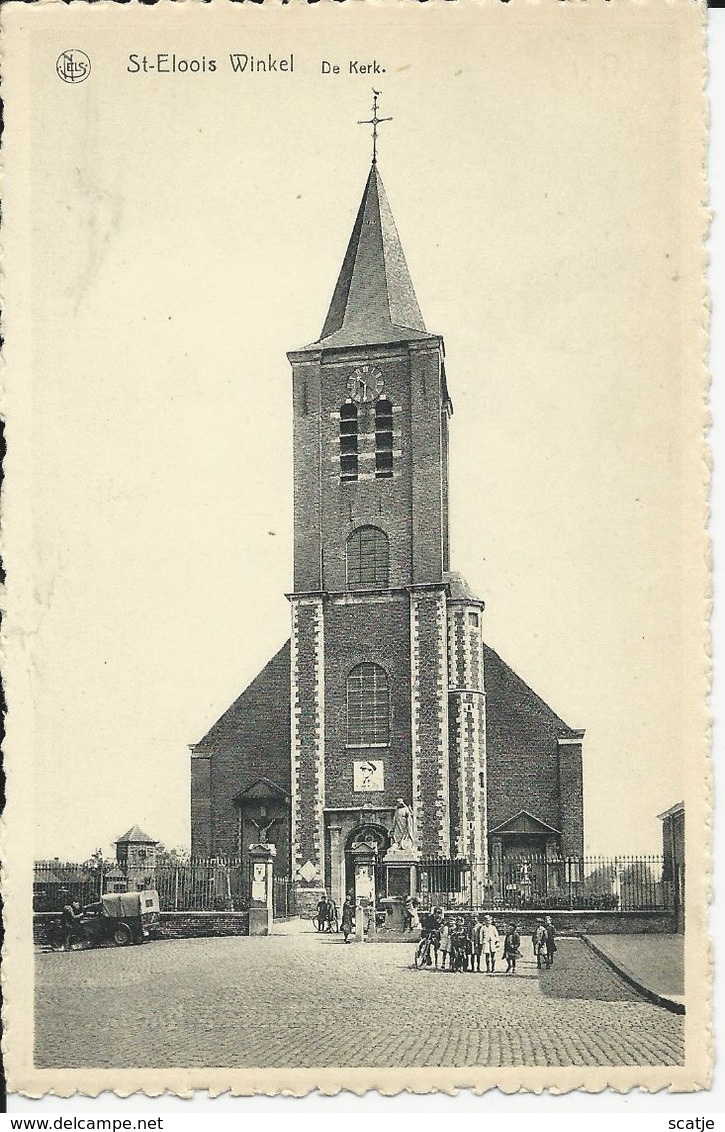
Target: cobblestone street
x=308, y=1000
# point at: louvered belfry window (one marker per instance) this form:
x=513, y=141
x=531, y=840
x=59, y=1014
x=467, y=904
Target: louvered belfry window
x=368, y=707
x=368, y=557
x=383, y=439
x=348, y=442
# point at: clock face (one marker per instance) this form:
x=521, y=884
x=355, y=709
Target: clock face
x=366, y=383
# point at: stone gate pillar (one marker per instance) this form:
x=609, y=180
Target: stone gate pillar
x=364, y=855
x=261, y=902
x=336, y=871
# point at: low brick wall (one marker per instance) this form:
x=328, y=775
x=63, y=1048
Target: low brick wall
x=174, y=925
x=587, y=923
x=182, y=925
x=42, y=921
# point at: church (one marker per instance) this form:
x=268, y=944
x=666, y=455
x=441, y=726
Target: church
x=386, y=693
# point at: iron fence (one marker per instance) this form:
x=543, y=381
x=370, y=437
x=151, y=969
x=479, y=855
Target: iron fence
x=623, y=883
x=56, y=883
x=204, y=885
x=195, y=885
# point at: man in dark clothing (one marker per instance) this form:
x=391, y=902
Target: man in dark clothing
x=550, y=941
x=430, y=927
x=511, y=945
x=71, y=919
x=323, y=913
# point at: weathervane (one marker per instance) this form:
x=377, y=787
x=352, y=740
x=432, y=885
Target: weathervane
x=375, y=122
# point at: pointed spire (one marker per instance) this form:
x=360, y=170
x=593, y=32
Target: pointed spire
x=373, y=300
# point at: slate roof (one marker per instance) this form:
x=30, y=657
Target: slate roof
x=374, y=301
x=459, y=588
x=678, y=808
x=257, y=723
x=137, y=836
x=257, y=726
x=512, y=695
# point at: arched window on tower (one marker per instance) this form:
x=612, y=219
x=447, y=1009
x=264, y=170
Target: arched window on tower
x=368, y=557
x=368, y=707
x=383, y=439
x=348, y=442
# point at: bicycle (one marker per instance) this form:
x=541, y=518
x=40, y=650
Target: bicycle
x=422, y=957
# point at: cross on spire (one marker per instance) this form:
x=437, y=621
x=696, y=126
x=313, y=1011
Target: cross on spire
x=374, y=122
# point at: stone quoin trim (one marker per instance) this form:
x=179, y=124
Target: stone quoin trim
x=429, y=718
x=467, y=723
x=417, y=800
x=308, y=733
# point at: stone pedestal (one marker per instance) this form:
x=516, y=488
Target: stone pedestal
x=401, y=872
x=364, y=856
x=261, y=906
x=394, y=913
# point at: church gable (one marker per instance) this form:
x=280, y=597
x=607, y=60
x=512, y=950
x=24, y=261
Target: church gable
x=523, y=823
x=522, y=748
x=509, y=696
x=255, y=731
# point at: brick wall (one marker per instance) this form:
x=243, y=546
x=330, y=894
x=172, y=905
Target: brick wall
x=571, y=804
x=377, y=631
x=384, y=503
x=201, y=813
x=250, y=741
x=307, y=412
x=430, y=518
x=174, y=925
x=521, y=748
x=183, y=925
x=587, y=923
x=411, y=508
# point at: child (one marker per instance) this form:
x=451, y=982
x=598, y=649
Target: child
x=469, y=928
x=445, y=943
x=491, y=941
x=550, y=941
x=348, y=916
x=478, y=940
x=458, y=945
x=511, y=945
x=539, y=941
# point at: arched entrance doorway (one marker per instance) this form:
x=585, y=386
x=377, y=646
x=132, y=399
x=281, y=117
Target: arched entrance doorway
x=380, y=837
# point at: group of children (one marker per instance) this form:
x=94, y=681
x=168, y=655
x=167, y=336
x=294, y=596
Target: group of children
x=464, y=939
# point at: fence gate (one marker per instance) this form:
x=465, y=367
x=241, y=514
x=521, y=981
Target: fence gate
x=284, y=898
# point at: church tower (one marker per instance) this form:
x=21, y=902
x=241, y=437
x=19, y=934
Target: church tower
x=370, y=663
x=386, y=710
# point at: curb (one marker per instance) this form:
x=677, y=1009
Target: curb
x=651, y=996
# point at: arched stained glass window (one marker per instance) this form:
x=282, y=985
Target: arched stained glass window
x=368, y=557
x=368, y=707
x=348, y=442
x=383, y=439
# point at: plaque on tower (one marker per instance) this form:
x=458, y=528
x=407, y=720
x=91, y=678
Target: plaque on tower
x=368, y=775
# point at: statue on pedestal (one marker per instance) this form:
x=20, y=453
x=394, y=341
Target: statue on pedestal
x=402, y=830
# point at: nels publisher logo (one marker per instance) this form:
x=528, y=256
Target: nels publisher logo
x=73, y=66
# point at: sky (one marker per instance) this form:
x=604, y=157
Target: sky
x=186, y=231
